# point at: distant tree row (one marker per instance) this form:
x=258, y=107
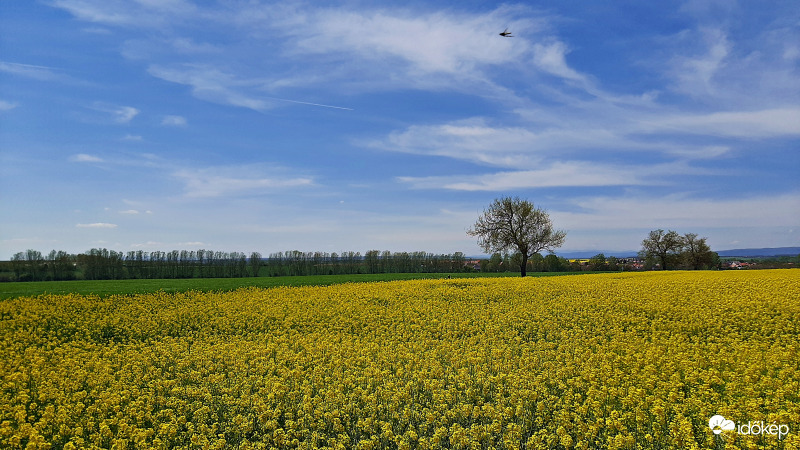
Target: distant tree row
x=510, y=262
x=665, y=250
x=552, y=263
x=104, y=264
x=31, y=265
x=372, y=261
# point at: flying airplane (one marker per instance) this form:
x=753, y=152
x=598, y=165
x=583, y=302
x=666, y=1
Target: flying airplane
x=506, y=33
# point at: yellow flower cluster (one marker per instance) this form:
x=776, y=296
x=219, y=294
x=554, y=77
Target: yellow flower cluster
x=620, y=361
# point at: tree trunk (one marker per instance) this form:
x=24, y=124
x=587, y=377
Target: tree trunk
x=523, y=266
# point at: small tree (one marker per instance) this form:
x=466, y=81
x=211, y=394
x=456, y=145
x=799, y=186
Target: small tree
x=513, y=224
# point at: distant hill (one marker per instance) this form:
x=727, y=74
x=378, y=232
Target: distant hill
x=765, y=252
x=740, y=252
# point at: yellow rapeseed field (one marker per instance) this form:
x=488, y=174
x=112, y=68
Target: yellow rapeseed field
x=619, y=361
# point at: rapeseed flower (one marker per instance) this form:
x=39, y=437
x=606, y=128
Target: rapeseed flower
x=628, y=361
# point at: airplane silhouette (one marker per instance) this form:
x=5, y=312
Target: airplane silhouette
x=506, y=33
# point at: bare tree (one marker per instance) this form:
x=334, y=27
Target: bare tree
x=515, y=224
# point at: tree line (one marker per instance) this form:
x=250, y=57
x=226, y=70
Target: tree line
x=661, y=249
x=105, y=264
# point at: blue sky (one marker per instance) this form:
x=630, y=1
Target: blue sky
x=343, y=125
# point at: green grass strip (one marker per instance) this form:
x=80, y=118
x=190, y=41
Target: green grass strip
x=115, y=287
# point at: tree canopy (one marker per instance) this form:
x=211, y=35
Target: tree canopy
x=671, y=249
x=513, y=224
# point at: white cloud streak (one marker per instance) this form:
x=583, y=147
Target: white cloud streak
x=211, y=84
x=96, y=225
x=41, y=73
x=695, y=74
x=138, y=14
x=119, y=114
x=551, y=58
x=559, y=174
x=781, y=122
x=174, y=121
x=7, y=106
x=436, y=42
x=236, y=181
x=83, y=157
x=682, y=211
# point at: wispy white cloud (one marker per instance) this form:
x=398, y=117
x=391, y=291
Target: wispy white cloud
x=435, y=42
x=119, y=114
x=190, y=46
x=694, y=74
x=585, y=129
x=96, y=30
x=96, y=225
x=211, y=84
x=149, y=244
x=681, y=211
x=7, y=106
x=750, y=124
x=41, y=73
x=568, y=134
x=125, y=114
x=551, y=58
x=140, y=13
x=174, y=121
x=129, y=212
x=357, y=47
x=162, y=246
x=83, y=157
x=472, y=140
x=559, y=174
x=237, y=180
x=715, y=65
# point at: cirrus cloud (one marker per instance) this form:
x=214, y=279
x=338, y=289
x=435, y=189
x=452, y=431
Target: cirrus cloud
x=96, y=225
x=174, y=121
x=84, y=157
x=237, y=180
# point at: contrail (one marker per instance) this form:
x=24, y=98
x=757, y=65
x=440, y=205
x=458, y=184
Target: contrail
x=309, y=103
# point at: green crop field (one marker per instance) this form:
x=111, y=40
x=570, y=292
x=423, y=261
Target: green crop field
x=141, y=286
